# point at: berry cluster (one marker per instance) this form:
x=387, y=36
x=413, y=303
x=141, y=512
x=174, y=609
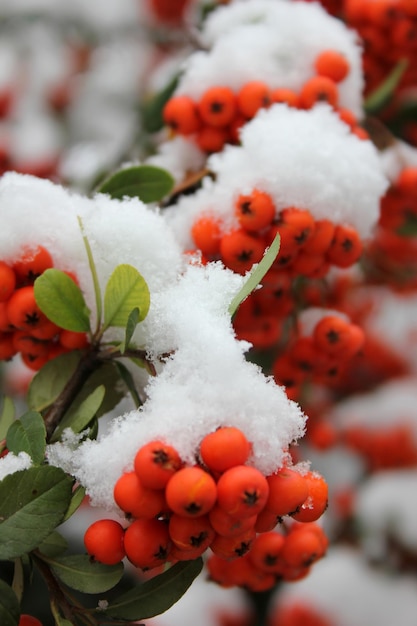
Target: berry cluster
x=177, y=511
x=215, y=119
x=321, y=357
x=392, y=446
x=309, y=247
x=273, y=556
x=24, y=328
x=388, y=29
x=391, y=254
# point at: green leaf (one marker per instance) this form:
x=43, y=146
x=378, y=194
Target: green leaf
x=81, y=573
x=80, y=414
x=156, y=595
x=256, y=275
x=129, y=382
x=32, y=503
x=76, y=501
x=125, y=291
x=7, y=416
x=54, y=545
x=132, y=322
x=152, y=110
x=49, y=382
x=146, y=182
x=28, y=434
x=62, y=300
x=93, y=270
x=9, y=606
x=107, y=375
x=382, y=94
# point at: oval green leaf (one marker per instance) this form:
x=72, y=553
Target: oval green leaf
x=9, y=606
x=49, y=381
x=81, y=573
x=7, y=416
x=156, y=595
x=62, y=301
x=54, y=545
x=146, y=182
x=256, y=275
x=80, y=414
x=76, y=501
x=33, y=503
x=131, y=324
x=28, y=434
x=125, y=291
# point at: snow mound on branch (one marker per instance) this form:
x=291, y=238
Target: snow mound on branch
x=271, y=41
x=204, y=384
x=37, y=212
x=308, y=159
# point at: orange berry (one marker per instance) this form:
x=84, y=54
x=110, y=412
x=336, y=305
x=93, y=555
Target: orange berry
x=191, y=532
x=347, y=117
x=22, y=310
x=318, y=89
x=338, y=337
x=333, y=64
x=147, y=543
x=35, y=361
x=225, y=447
x=288, y=490
x=217, y=106
x=255, y=211
x=206, y=232
x=266, y=550
x=7, y=346
x=46, y=330
x=235, y=546
x=252, y=97
x=72, y=340
x=240, y=250
x=211, y=138
x=179, y=554
x=32, y=264
x=136, y=500
x=266, y=521
x=180, y=113
x=7, y=281
x=25, y=342
x=5, y=325
x=300, y=224
x=346, y=246
x=228, y=525
x=285, y=96
x=103, y=541
x=407, y=180
x=242, y=491
x=316, y=501
x=191, y=492
x=155, y=463
x=321, y=237
x=301, y=549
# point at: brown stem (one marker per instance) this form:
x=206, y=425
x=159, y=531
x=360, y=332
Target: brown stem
x=55, y=589
x=87, y=365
